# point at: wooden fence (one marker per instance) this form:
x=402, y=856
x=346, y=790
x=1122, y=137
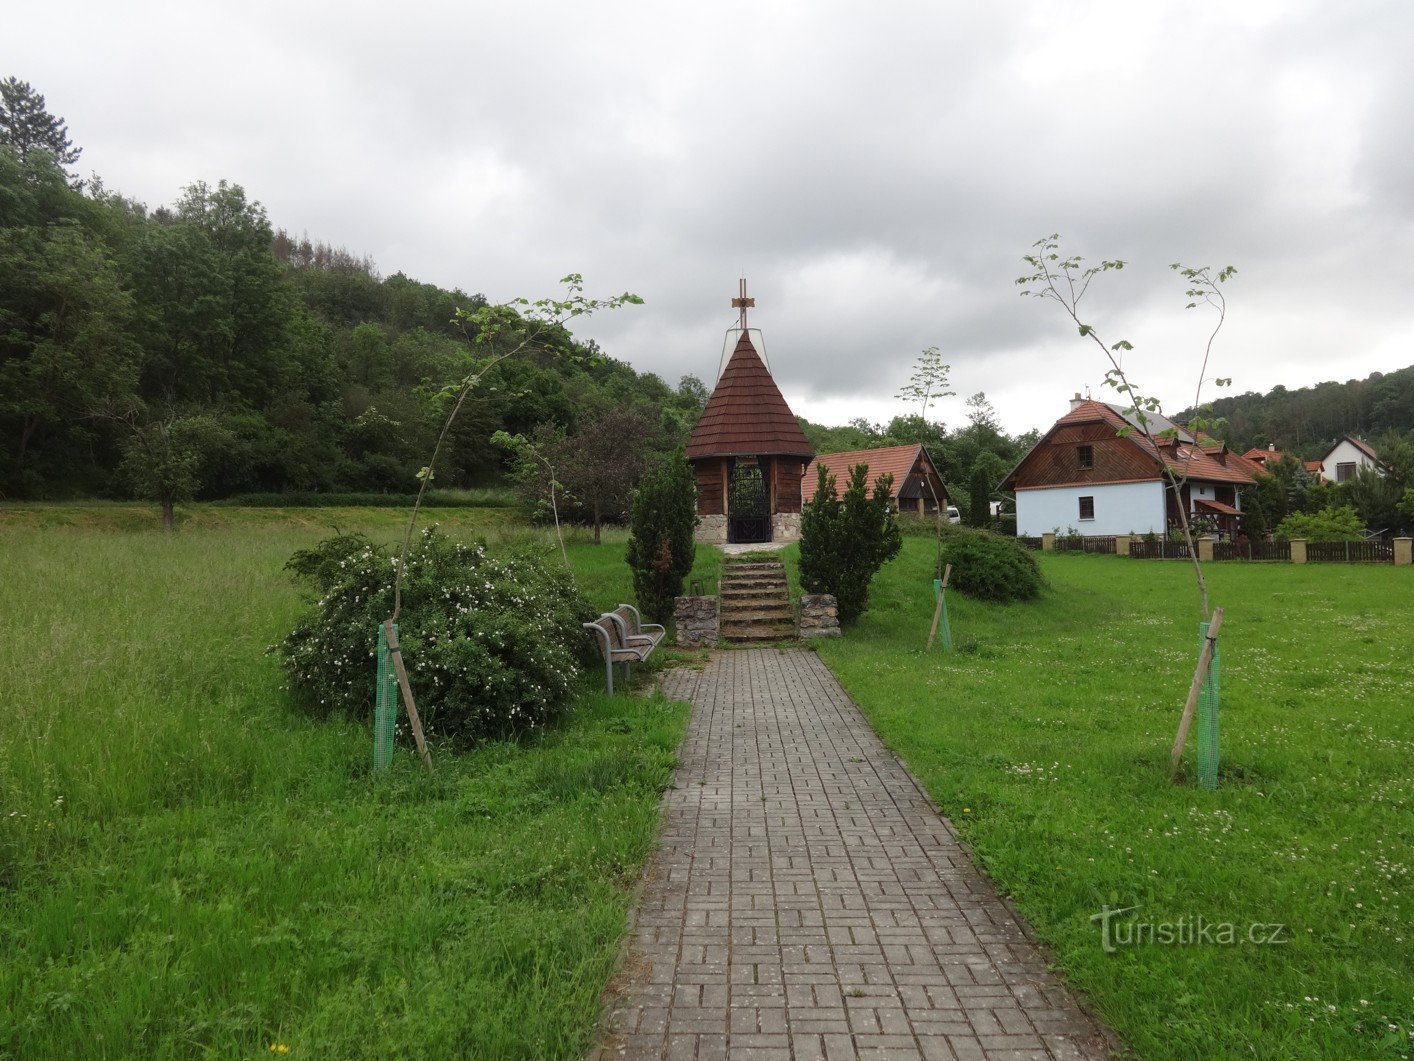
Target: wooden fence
x=1252, y=550
x=1369, y=552
x=1159, y=549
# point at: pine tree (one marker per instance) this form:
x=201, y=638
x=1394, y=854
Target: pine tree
x=661, y=549
x=980, y=497
x=845, y=540
x=25, y=124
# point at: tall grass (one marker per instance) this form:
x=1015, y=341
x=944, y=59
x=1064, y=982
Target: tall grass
x=188, y=866
x=1046, y=735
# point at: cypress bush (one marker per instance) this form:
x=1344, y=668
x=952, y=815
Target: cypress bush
x=661, y=549
x=845, y=540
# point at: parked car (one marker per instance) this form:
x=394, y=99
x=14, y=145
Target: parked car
x=954, y=516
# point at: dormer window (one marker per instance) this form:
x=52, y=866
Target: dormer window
x=1086, y=456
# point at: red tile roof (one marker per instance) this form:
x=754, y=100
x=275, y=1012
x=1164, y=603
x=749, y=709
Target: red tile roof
x=746, y=415
x=1181, y=455
x=897, y=461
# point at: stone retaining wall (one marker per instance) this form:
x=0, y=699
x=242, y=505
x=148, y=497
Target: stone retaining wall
x=819, y=615
x=696, y=621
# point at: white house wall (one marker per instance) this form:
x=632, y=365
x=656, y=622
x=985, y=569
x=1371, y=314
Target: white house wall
x=1119, y=509
x=1345, y=452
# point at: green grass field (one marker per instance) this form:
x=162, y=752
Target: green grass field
x=190, y=867
x=1046, y=738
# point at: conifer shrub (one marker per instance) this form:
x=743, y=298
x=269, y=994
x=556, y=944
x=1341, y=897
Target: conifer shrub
x=661, y=549
x=492, y=645
x=844, y=540
x=991, y=567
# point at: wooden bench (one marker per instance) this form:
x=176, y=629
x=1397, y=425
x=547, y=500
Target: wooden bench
x=633, y=629
x=610, y=638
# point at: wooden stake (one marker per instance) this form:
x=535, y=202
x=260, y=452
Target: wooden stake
x=1205, y=661
x=395, y=650
x=938, y=608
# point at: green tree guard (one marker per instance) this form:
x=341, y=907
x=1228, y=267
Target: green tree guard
x=385, y=710
x=1208, y=710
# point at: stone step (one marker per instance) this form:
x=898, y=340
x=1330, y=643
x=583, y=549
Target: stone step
x=764, y=589
x=753, y=633
x=784, y=623
x=733, y=604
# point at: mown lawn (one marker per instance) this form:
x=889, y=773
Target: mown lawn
x=188, y=866
x=1045, y=738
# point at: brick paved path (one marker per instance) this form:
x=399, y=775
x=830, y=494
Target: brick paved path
x=808, y=902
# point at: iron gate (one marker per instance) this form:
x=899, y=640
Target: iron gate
x=748, y=508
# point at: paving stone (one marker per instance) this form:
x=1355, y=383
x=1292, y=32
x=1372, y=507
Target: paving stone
x=807, y=901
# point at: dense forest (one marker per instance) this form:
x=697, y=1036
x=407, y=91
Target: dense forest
x=277, y=364
x=1307, y=421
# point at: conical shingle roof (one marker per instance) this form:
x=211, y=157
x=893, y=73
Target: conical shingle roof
x=746, y=415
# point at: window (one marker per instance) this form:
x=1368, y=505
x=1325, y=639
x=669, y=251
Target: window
x=1087, y=508
x=1345, y=472
x=1086, y=455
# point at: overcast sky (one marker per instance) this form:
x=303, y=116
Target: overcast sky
x=875, y=171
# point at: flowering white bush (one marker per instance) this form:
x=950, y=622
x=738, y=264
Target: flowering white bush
x=492, y=645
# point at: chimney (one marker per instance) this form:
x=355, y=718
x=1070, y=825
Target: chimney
x=1076, y=400
x=1271, y=447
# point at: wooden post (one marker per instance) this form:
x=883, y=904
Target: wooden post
x=1205, y=660
x=938, y=608
x=395, y=650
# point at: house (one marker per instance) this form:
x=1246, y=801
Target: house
x=917, y=486
x=1347, y=457
x=747, y=451
x=1095, y=473
x=1269, y=456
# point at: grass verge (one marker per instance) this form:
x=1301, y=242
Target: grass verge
x=1045, y=738
x=189, y=867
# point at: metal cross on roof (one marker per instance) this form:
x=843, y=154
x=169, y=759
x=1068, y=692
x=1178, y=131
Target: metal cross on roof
x=743, y=303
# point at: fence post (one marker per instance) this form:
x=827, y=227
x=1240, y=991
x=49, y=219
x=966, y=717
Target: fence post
x=1298, y=550
x=1121, y=545
x=1048, y=542
x=1205, y=550
x=1404, y=550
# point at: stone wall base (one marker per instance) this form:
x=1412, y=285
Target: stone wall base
x=711, y=530
x=696, y=621
x=785, y=527
x=819, y=615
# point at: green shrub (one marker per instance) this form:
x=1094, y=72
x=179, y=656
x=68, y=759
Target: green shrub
x=845, y=540
x=1328, y=525
x=990, y=567
x=492, y=645
x=661, y=549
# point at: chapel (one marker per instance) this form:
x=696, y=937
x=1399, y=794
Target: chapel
x=747, y=451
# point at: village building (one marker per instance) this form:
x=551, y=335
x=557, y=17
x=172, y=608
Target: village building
x=917, y=486
x=1347, y=457
x=1266, y=458
x=748, y=453
x=1094, y=473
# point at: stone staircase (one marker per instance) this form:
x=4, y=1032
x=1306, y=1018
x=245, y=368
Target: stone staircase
x=755, y=603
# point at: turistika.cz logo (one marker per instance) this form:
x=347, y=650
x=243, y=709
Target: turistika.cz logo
x=1187, y=931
